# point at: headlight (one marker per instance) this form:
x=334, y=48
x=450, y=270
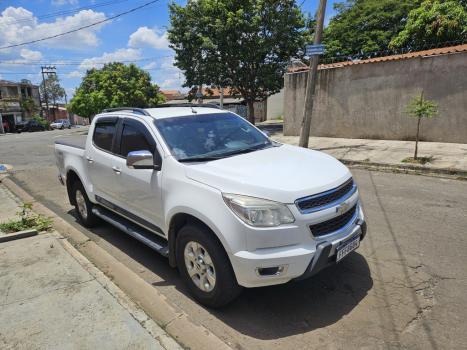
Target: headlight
x=258, y=212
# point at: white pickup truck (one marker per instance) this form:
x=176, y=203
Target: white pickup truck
x=228, y=206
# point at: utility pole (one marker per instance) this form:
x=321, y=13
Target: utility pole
x=221, y=102
x=47, y=70
x=311, y=81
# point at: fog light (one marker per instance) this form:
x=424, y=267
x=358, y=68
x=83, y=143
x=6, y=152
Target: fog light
x=271, y=271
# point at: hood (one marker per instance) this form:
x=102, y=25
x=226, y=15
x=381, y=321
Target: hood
x=282, y=174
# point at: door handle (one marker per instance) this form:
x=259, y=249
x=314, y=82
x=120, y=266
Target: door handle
x=116, y=170
x=90, y=160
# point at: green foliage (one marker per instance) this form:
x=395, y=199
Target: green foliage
x=28, y=105
x=51, y=88
x=115, y=85
x=45, y=123
x=27, y=220
x=433, y=22
x=242, y=44
x=420, y=107
x=365, y=25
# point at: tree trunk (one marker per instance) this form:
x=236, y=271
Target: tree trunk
x=251, y=112
x=416, y=138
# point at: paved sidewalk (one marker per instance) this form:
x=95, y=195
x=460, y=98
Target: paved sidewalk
x=9, y=205
x=51, y=297
x=445, y=156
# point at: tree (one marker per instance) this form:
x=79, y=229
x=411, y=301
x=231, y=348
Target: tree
x=28, y=106
x=363, y=26
x=115, y=85
x=241, y=44
x=435, y=21
x=419, y=107
x=51, y=91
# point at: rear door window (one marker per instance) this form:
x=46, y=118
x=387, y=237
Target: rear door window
x=104, y=133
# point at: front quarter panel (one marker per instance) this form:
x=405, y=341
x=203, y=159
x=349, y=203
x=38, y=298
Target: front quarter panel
x=183, y=195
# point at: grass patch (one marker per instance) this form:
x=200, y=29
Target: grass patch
x=419, y=160
x=27, y=220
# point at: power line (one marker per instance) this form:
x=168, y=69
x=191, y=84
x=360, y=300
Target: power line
x=78, y=63
x=67, y=12
x=81, y=28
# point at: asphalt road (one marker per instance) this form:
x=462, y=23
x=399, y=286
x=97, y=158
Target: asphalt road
x=406, y=286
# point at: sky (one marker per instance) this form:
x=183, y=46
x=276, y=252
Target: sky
x=139, y=37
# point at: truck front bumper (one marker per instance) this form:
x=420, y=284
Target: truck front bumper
x=271, y=266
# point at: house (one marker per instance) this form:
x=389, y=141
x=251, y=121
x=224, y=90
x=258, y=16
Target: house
x=231, y=101
x=18, y=101
x=172, y=95
x=59, y=111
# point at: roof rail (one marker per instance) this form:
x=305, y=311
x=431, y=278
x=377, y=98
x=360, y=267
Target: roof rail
x=202, y=105
x=133, y=109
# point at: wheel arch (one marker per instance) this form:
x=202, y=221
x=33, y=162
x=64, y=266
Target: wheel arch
x=71, y=178
x=179, y=220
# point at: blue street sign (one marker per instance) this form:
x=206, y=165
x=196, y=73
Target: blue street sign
x=311, y=50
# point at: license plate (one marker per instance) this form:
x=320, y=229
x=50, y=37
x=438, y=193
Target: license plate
x=346, y=248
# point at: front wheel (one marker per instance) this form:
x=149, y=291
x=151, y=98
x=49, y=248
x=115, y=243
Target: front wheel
x=83, y=206
x=205, y=267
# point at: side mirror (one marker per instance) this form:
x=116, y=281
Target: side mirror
x=141, y=160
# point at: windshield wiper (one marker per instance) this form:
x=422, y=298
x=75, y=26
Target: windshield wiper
x=198, y=159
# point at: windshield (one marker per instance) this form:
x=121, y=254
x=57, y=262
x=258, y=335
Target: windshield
x=210, y=136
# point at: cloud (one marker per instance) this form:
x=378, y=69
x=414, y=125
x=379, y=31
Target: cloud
x=74, y=74
x=150, y=65
x=145, y=37
x=64, y=2
x=166, y=75
x=19, y=25
x=128, y=54
x=31, y=55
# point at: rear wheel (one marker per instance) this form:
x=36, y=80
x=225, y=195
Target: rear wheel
x=205, y=267
x=83, y=206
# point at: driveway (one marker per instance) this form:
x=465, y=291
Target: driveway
x=406, y=286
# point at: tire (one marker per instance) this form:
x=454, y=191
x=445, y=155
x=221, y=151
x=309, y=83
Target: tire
x=84, y=213
x=225, y=287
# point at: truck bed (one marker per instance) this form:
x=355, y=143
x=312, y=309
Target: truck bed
x=73, y=141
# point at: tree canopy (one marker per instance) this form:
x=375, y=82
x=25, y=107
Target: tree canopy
x=51, y=89
x=115, y=85
x=365, y=25
x=241, y=44
x=435, y=21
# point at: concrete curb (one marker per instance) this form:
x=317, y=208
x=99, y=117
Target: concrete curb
x=18, y=235
x=175, y=322
x=408, y=169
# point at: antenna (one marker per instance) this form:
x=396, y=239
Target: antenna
x=193, y=110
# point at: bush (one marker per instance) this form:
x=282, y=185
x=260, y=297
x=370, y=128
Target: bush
x=27, y=220
x=45, y=123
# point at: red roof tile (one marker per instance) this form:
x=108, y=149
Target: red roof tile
x=431, y=52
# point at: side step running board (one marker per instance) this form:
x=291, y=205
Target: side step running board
x=141, y=234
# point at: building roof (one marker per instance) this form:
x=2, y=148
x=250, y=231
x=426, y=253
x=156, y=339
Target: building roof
x=425, y=53
x=172, y=94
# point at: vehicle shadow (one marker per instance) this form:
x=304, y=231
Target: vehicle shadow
x=270, y=312
x=299, y=307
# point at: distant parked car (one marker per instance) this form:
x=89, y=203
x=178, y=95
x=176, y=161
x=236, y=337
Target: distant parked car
x=29, y=125
x=61, y=124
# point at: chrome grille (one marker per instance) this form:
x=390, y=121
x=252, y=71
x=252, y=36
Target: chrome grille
x=328, y=198
x=334, y=224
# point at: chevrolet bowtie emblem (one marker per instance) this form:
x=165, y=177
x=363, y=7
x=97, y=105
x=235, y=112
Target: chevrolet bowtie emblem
x=342, y=208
